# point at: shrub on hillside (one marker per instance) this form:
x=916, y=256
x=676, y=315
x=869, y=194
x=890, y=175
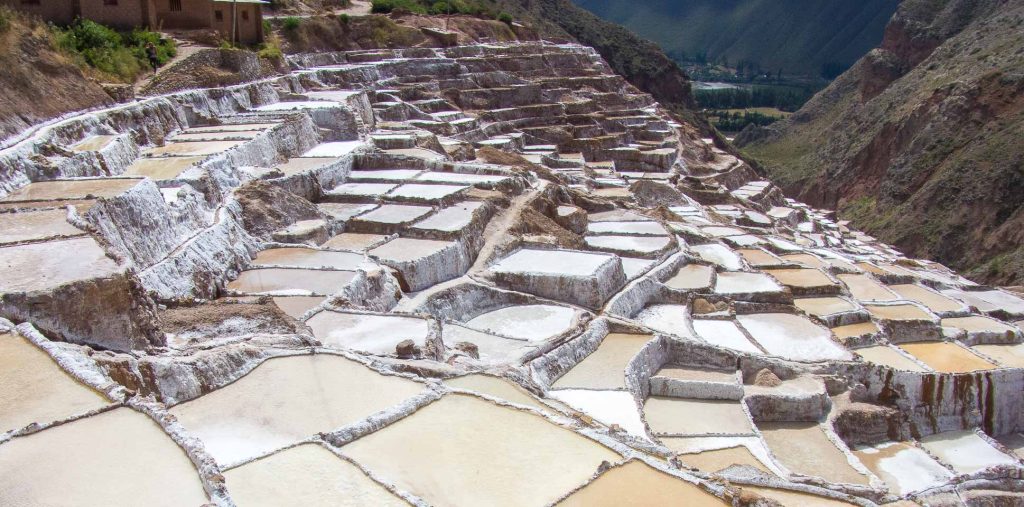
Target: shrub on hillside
x=387, y=6
x=291, y=23
x=119, y=55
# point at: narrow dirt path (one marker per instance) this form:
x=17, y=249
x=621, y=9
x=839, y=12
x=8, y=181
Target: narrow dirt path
x=185, y=50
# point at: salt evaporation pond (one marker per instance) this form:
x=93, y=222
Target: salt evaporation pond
x=897, y=312
x=887, y=356
x=290, y=282
x=1008, y=355
x=720, y=255
x=905, y=468
x=646, y=228
x=976, y=324
x=307, y=475
x=713, y=454
x=605, y=368
x=527, y=322
x=308, y=258
x=376, y=334
x=669, y=319
x=803, y=448
x=99, y=460
x=738, y=283
x=792, y=337
x=932, y=300
x=638, y=244
x=724, y=333
x=479, y=453
x=691, y=277
x=865, y=288
x=675, y=417
x=35, y=225
x=36, y=389
x=297, y=306
x=285, y=400
x=492, y=349
x=636, y=483
x=965, y=451
x=855, y=330
x=945, y=357
x=801, y=277
x=607, y=407
x=496, y=387
x=797, y=498
x=823, y=307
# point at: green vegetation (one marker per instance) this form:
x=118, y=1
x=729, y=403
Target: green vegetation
x=435, y=7
x=119, y=55
x=5, y=19
x=785, y=98
x=291, y=23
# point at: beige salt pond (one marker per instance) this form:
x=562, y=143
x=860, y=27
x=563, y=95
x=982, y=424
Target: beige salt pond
x=864, y=288
x=107, y=459
x=93, y=143
x=887, y=356
x=308, y=258
x=495, y=386
x=803, y=448
x=897, y=312
x=676, y=416
x=691, y=277
x=1008, y=355
x=825, y=306
x=803, y=278
x=36, y=389
x=932, y=300
x=38, y=266
x=376, y=334
x=307, y=475
x=636, y=483
x=945, y=357
x=354, y=241
x=297, y=306
x=161, y=168
x=290, y=282
x=855, y=330
x=905, y=468
x=796, y=498
x=479, y=453
x=757, y=257
x=976, y=324
x=191, y=148
x=605, y=368
x=35, y=225
x=805, y=259
x=72, y=189
x=287, y=399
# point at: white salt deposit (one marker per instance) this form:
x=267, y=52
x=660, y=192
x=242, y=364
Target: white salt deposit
x=528, y=322
x=608, y=407
x=333, y=149
x=724, y=333
x=792, y=337
x=745, y=283
x=670, y=319
x=905, y=468
x=376, y=334
x=551, y=262
x=965, y=451
x=720, y=255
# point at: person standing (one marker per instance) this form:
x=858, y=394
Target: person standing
x=151, y=54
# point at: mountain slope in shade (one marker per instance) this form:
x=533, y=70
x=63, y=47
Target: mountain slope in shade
x=796, y=36
x=922, y=142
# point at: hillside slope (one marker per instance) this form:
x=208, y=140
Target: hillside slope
x=922, y=142
x=38, y=82
x=796, y=36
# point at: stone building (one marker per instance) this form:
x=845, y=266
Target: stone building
x=157, y=14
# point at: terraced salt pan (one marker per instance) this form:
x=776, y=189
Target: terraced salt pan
x=376, y=334
x=527, y=322
x=605, y=368
x=823, y=307
x=333, y=149
x=646, y=228
x=231, y=127
x=803, y=448
x=36, y=389
x=719, y=232
x=792, y=337
x=945, y=357
x=354, y=241
x=976, y=324
x=639, y=244
x=855, y=330
x=342, y=211
x=100, y=460
x=384, y=174
x=361, y=190
x=1008, y=355
x=635, y=267
x=93, y=143
x=395, y=214
x=461, y=178
x=670, y=319
x=864, y=288
x=932, y=300
x=887, y=356
x=492, y=349
x=38, y=266
x=719, y=255
x=296, y=306
x=989, y=300
x=161, y=168
x=676, y=416
x=496, y=387
x=801, y=277
x=426, y=192
x=35, y=225
x=724, y=333
x=71, y=189
x=745, y=283
x=290, y=282
x=216, y=136
x=806, y=259
x=287, y=399
x=758, y=258
x=905, y=468
x=479, y=453
x=698, y=374
x=191, y=148
x=308, y=258
x=713, y=454
x=897, y=312
x=408, y=250
x=551, y=262
x=796, y=498
x=691, y=277
x=636, y=483
x=291, y=105
x=608, y=407
x=300, y=165
x=307, y=475
x=965, y=451
x=450, y=219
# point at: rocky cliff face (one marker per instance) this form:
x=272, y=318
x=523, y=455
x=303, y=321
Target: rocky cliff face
x=920, y=142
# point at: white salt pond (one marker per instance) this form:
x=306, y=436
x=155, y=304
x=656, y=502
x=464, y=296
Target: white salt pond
x=290, y=282
x=307, y=475
x=713, y=454
x=670, y=319
x=104, y=459
x=636, y=483
x=905, y=468
x=413, y=191
x=384, y=174
x=308, y=258
x=720, y=255
x=285, y=400
x=527, y=322
x=376, y=334
x=395, y=214
x=965, y=451
x=607, y=407
x=989, y=300
x=638, y=244
x=646, y=228
x=492, y=349
x=36, y=390
x=37, y=266
x=450, y=219
x=479, y=453
x=724, y=333
x=731, y=283
x=691, y=277
x=361, y=190
x=605, y=368
x=552, y=262
x=792, y=337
